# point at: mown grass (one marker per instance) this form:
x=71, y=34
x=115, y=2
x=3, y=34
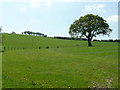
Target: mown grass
x=72, y=65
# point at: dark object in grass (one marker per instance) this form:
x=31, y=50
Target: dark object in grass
x=33, y=83
x=77, y=45
x=57, y=46
x=2, y=51
x=47, y=47
x=39, y=47
x=88, y=87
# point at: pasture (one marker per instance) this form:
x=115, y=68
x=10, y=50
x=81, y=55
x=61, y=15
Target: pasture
x=41, y=62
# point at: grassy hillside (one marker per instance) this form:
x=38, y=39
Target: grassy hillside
x=13, y=41
x=71, y=65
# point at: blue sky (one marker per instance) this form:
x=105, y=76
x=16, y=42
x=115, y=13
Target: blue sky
x=54, y=17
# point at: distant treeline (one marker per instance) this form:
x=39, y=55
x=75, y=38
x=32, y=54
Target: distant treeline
x=69, y=38
x=110, y=40
x=34, y=33
x=84, y=39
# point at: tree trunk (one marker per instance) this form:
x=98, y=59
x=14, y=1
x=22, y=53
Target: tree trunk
x=89, y=42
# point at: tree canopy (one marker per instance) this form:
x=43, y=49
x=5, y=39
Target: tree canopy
x=89, y=26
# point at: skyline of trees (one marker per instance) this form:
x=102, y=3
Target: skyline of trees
x=34, y=33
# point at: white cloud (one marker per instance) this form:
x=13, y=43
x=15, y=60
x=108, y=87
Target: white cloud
x=38, y=3
x=94, y=7
x=48, y=3
x=69, y=1
x=87, y=1
x=112, y=19
x=35, y=3
x=64, y=0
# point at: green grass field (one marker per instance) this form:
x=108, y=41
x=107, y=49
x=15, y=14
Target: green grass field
x=72, y=65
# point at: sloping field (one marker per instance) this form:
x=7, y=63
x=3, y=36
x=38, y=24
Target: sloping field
x=13, y=41
x=65, y=64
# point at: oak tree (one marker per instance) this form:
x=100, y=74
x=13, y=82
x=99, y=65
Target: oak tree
x=89, y=26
